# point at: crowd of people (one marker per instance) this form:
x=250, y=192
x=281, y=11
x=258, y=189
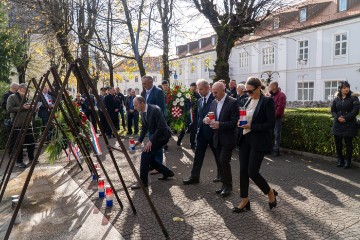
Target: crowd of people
x=214, y=123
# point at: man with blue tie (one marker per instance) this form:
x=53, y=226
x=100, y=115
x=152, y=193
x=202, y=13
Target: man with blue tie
x=153, y=122
x=131, y=113
x=204, y=137
x=154, y=95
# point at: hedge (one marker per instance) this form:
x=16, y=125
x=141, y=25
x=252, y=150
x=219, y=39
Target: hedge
x=309, y=130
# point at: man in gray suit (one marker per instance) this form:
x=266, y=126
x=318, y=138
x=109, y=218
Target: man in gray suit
x=153, y=121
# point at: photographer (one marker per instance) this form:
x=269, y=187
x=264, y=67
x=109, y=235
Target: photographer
x=16, y=105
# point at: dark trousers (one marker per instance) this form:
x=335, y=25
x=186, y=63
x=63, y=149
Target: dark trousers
x=193, y=130
x=133, y=117
x=339, y=147
x=104, y=124
x=147, y=161
x=29, y=142
x=200, y=151
x=277, y=134
x=250, y=162
x=121, y=111
x=224, y=154
x=44, y=120
x=93, y=121
x=114, y=116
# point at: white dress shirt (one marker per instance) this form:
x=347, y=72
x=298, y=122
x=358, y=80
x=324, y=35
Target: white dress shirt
x=219, y=107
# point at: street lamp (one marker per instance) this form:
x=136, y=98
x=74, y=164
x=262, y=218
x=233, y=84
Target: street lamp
x=270, y=76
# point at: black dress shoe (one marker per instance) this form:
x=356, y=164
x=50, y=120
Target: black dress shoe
x=166, y=147
x=217, y=179
x=165, y=177
x=191, y=181
x=220, y=190
x=274, y=203
x=239, y=210
x=276, y=154
x=137, y=186
x=226, y=192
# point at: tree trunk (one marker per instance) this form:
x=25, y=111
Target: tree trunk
x=165, y=56
x=140, y=63
x=111, y=72
x=225, y=43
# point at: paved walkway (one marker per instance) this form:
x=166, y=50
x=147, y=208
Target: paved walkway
x=316, y=201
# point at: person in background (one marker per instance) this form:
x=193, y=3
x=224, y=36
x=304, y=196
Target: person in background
x=242, y=96
x=255, y=140
x=280, y=104
x=121, y=99
x=113, y=108
x=91, y=113
x=7, y=121
x=16, y=104
x=155, y=96
x=44, y=111
x=103, y=122
x=131, y=113
x=232, y=89
x=195, y=96
x=344, y=109
x=204, y=136
x=165, y=86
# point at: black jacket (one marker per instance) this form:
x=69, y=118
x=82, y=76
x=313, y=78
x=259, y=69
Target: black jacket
x=349, y=109
x=156, y=125
x=262, y=125
x=204, y=129
x=226, y=135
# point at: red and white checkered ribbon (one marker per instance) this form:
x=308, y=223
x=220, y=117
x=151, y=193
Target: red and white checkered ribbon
x=176, y=112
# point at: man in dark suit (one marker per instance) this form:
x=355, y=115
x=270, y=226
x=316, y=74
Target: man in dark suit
x=131, y=113
x=153, y=121
x=44, y=110
x=154, y=95
x=224, y=132
x=204, y=137
x=104, y=124
x=112, y=107
x=121, y=99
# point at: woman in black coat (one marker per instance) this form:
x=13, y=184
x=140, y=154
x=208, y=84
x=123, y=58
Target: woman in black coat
x=344, y=110
x=255, y=139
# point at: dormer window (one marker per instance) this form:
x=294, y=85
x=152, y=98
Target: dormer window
x=213, y=40
x=302, y=15
x=342, y=5
x=177, y=50
x=199, y=44
x=276, y=23
x=188, y=48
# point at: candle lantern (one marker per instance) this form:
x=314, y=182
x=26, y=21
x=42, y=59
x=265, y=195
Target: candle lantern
x=109, y=196
x=101, y=185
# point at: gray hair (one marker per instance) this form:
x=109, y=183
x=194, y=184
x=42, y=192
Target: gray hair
x=140, y=99
x=202, y=82
x=148, y=78
x=242, y=86
x=14, y=85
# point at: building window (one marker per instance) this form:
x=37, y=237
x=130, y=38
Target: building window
x=305, y=91
x=303, y=50
x=136, y=79
x=276, y=23
x=342, y=5
x=199, y=44
x=331, y=88
x=268, y=55
x=213, y=40
x=137, y=91
x=302, y=15
x=192, y=67
x=340, y=44
x=244, y=60
x=180, y=69
x=155, y=78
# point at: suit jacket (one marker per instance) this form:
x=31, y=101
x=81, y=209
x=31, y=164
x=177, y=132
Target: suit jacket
x=156, y=97
x=203, y=129
x=127, y=103
x=229, y=115
x=262, y=125
x=156, y=125
x=111, y=104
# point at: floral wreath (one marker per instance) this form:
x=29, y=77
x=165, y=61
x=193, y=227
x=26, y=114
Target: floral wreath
x=177, y=106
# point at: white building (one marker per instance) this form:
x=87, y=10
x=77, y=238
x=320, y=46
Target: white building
x=311, y=46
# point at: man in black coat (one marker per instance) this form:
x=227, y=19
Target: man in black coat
x=7, y=121
x=224, y=132
x=204, y=137
x=153, y=122
x=131, y=113
x=121, y=99
x=112, y=107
